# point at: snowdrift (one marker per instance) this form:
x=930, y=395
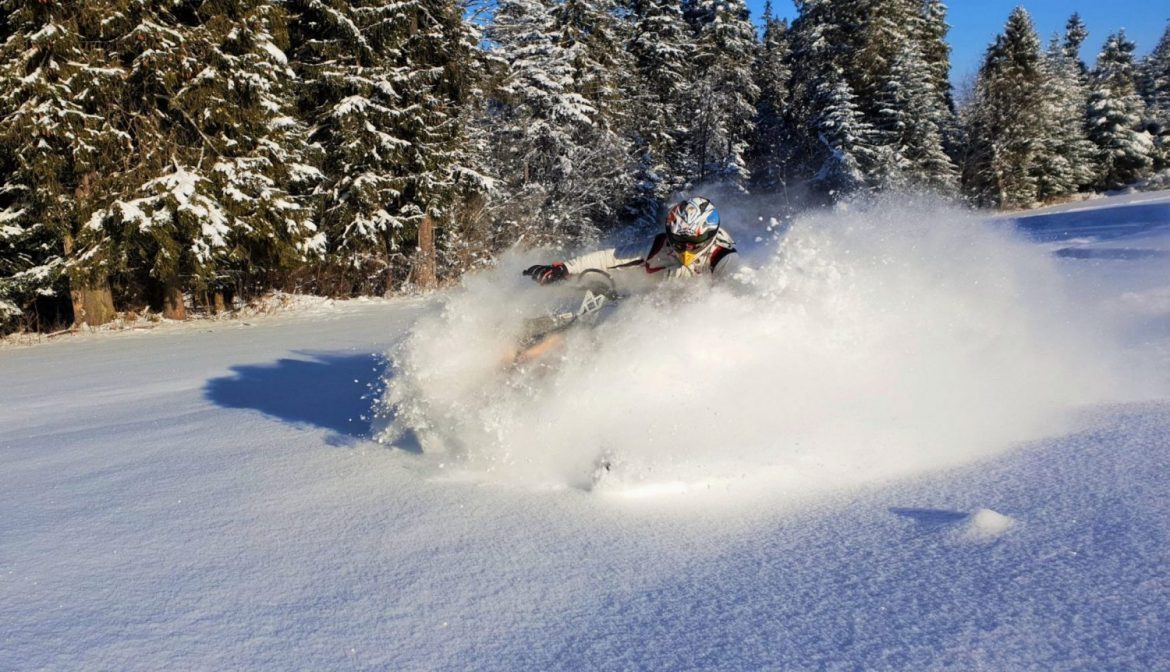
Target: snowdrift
x=857, y=347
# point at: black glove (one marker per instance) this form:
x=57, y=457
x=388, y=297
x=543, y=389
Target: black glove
x=547, y=274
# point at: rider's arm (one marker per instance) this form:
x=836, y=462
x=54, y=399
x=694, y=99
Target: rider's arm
x=609, y=259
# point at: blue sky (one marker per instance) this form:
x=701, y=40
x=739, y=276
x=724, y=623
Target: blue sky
x=975, y=23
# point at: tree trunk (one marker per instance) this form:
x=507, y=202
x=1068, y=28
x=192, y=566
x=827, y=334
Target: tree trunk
x=218, y=304
x=424, y=269
x=173, y=306
x=93, y=304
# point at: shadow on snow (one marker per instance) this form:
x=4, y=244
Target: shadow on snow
x=333, y=391
x=1104, y=224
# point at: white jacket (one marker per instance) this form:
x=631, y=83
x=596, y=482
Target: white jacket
x=657, y=261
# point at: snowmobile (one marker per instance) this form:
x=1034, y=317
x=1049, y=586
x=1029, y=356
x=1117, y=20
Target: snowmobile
x=592, y=294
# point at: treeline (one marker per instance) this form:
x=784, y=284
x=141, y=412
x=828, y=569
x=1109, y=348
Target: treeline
x=183, y=154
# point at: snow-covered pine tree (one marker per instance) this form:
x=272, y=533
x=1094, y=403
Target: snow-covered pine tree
x=345, y=54
x=936, y=51
x=832, y=145
x=169, y=230
x=878, y=31
x=436, y=70
x=883, y=28
x=522, y=104
x=697, y=13
x=660, y=45
x=263, y=170
x=722, y=100
x=892, y=60
x=847, y=151
x=592, y=38
x=1155, y=90
x=911, y=125
x=901, y=91
x=1075, y=34
x=1155, y=76
x=464, y=235
x=60, y=154
x=1067, y=160
x=770, y=146
x=1125, y=147
x=563, y=166
x=210, y=202
x=1005, y=123
x=387, y=89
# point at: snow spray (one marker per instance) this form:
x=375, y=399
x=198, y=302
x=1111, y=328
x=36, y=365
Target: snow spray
x=859, y=345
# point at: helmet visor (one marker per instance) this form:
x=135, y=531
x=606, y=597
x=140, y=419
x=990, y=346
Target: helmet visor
x=690, y=243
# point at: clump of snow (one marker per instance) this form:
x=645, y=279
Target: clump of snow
x=986, y=525
x=8, y=309
x=863, y=345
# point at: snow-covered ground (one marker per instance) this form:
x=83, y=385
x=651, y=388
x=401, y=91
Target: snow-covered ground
x=937, y=447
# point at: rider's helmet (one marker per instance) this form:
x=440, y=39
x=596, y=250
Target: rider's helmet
x=691, y=227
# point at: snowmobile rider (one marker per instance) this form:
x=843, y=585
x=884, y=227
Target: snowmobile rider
x=693, y=244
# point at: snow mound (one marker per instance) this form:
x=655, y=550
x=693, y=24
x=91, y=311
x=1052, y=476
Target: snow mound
x=986, y=525
x=858, y=347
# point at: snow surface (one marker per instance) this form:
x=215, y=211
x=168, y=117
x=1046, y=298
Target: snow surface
x=211, y=496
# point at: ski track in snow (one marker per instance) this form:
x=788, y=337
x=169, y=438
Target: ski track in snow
x=209, y=497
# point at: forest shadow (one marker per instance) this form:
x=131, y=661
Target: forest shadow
x=332, y=391
x=1122, y=221
x=1117, y=254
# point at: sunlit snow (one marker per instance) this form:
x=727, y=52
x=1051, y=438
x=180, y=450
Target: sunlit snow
x=936, y=445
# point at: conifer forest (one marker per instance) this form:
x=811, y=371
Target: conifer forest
x=186, y=155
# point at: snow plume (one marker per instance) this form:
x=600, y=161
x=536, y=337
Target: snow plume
x=858, y=347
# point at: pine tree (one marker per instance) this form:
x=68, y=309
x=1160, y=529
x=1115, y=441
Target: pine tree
x=832, y=142
x=1005, y=124
x=559, y=157
x=660, y=46
x=723, y=97
x=468, y=238
x=937, y=53
x=591, y=39
x=847, y=151
x=812, y=54
x=1155, y=76
x=911, y=123
x=896, y=89
x=213, y=199
x=263, y=167
x=1125, y=148
x=1067, y=160
x=1155, y=90
x=346, y=55
x=60, y=149
x=884, y=28
x=884, y=65
x=436, y=72
x=771, y=73
x=1075, y=34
